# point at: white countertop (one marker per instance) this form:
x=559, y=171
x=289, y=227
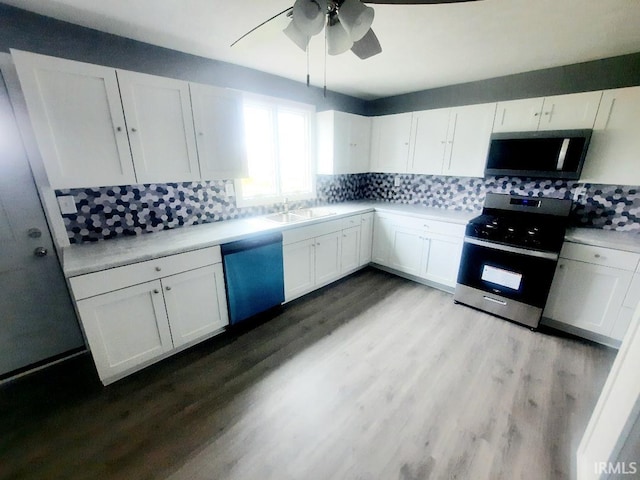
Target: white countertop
x=92, y=257
x=627, y=241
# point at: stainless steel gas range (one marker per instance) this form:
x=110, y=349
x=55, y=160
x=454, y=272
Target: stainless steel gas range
x=510, y=254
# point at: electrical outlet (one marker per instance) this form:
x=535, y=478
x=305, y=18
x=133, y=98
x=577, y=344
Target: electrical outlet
x=579, y=192
x=67, y=205
x=396, y=181
x=229, y=190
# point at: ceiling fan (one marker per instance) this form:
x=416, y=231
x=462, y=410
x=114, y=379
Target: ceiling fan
x=348, y=24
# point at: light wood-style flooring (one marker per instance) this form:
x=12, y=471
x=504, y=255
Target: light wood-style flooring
x=375, y=377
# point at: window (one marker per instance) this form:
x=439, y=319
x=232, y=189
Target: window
x=279, y=151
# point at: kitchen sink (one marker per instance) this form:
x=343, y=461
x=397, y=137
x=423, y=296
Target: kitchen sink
x=299, y=215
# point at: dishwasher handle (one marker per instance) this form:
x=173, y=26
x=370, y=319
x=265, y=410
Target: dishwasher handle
x=250, y=243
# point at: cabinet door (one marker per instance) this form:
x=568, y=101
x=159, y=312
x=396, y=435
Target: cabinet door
x=442, y=259
x=406, y=250
x=469, y=134
x=587, y=296
x=350, y=249
x=366, y=237
x=196, y=303
x=327, y=258
x=429, y=141
x=359, y=144
x=518, y=115
x=126, y=328
x=390, y=136
x=219, y=124
x=160, y=124
x=299, y=268
x=78, y=122
x=382, y=240
x=613, y=152
x=577, y=110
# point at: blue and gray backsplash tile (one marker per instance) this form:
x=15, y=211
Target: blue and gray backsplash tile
x=109, y=212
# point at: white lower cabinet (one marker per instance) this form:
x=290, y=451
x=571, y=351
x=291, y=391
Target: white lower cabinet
x=129, y=325
x=591, y=291
x=427, y=249
x=366, y=238
x=319, y=254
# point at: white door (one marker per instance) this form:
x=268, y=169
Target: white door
x=219, y=123
x=518, y=115
x=587, y=296
x=366, y=237
x=160, y=125
x=327, y=257
x=390, y=138
x=382, y=240
x=613, y=152
x=441, y=262
x=406, y=252
x=78, y=122
x=126, y=328
x=359, y=144
x=37, y=320
x=194, y=305
x=429, y=142
x=350, y=249
x=299, y=268
x=577, y=110
x=468, y=142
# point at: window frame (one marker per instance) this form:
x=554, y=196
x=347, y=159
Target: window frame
x=274, y=104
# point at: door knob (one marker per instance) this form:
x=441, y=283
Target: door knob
x=40, y=252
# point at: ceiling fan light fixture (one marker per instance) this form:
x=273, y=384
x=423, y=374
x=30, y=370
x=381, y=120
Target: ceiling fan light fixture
x=296, y=36
x=338, y=40
x=356, y=18
x=309, y=16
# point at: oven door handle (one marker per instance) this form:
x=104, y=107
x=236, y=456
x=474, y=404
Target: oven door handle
x=510, y=249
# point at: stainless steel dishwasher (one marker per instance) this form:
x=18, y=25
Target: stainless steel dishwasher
x=254, y=275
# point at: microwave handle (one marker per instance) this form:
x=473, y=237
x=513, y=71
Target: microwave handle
x=563, y=154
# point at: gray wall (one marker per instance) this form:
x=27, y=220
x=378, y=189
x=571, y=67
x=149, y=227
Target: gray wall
x=23, y=30
x=615, y=72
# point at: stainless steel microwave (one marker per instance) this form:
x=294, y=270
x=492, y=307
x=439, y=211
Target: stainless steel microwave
x=556, y=154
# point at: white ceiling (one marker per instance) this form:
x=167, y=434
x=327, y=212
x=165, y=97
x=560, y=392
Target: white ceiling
x=424, y=46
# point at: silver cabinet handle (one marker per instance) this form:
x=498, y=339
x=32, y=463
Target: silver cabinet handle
x=155, y=290
x=134, y=129
x=537, y=114
x=158, y=269
x=118, y=129
x=597, y=255
x=168, y=288
x=34, y=233
x=40, y=252
x=493, y=300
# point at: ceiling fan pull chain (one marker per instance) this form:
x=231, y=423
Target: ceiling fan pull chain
x=324, y=90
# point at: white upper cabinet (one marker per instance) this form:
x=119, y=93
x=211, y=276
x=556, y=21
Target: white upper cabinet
x=160, y=125
x=559, y=112
x=468, y=140
x=613, y=152
x=77, y=119
x=344, y=142
x=518, y=115
x=219, y=123
x=429, y=139
x=390, y=137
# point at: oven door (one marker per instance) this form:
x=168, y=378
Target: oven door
x=509, y=272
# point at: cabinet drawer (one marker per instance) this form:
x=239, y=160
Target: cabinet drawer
x=304, y=233
x=91, y=284
x=352, y=221
x=600, y=256
x=444, y=228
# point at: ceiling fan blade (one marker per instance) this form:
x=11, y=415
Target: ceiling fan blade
x=263, y=23
x=367, y=46
x=415, y=2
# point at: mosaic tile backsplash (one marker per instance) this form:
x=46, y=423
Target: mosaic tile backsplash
x=110, y=212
